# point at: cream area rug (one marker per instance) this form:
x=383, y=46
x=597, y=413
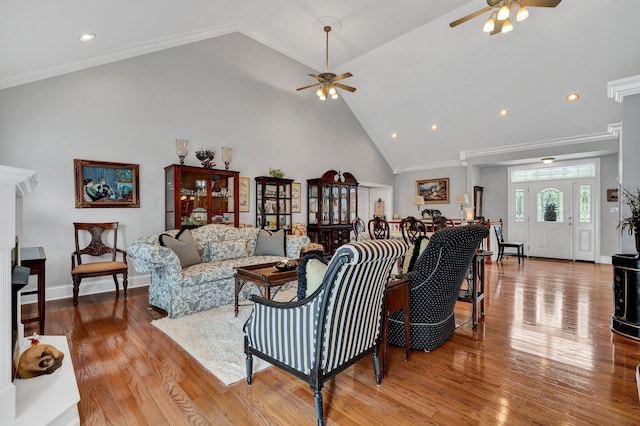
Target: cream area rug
x=215, y=338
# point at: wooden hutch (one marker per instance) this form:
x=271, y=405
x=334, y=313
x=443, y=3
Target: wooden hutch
x=332, y=204
x=196, y=196
x=273, y=203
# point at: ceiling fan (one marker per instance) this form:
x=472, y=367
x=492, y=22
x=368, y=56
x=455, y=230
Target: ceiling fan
x=499, y=21
x=327, y=80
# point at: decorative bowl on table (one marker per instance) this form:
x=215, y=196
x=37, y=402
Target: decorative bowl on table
x=289, y=265
x=206, y=158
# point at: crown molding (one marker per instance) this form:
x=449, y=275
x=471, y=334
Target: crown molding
x=28, y=75
x=613, y=130
x=618, y=89
x=24, y=180
x=430, y=166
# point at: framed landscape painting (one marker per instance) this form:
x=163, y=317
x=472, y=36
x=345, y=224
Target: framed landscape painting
x=105, y=184
x=433, y=191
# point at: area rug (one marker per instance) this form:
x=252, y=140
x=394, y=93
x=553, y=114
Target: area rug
x=216, y=340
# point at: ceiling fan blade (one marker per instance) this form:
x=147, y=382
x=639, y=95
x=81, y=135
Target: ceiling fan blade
x=306, y=87
x=539, y=3
x=341, y=76
x=470, y=16
x=345, y=87
x=317, y=77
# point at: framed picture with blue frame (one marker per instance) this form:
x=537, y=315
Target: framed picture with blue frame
x=106, y=184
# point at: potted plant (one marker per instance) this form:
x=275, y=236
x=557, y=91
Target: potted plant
x=550, y=211
x=632, y=223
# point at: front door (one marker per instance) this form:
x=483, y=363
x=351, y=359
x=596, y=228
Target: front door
x=551, y=219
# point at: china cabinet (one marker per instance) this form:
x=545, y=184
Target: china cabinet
x=273, y=203
x=196, y=196
x=332, y=204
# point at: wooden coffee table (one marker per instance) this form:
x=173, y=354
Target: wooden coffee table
x=264, y=275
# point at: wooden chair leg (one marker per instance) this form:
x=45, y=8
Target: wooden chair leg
x=115, y=280
x=76, y=290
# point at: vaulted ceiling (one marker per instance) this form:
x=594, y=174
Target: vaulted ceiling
x=410, y=68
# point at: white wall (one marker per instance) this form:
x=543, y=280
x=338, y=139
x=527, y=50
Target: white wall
x=630, y=154
x=405, y=190
x=227, y=91
x=609, y=236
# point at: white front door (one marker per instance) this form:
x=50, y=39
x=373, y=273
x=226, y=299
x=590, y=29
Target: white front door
x=551, y=219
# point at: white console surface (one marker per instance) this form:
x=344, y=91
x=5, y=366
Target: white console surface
x=50, y=399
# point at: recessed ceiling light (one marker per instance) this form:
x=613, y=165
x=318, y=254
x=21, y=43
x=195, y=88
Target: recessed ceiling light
x=503, y=113
x=394, y=135
x=548, y=160
x=434, y=127
x=87, y=37
x=572, y=97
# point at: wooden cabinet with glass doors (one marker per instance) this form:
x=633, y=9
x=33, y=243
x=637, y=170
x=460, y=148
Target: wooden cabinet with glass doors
x=332, y=204
x=273, y=203
x=196, y=196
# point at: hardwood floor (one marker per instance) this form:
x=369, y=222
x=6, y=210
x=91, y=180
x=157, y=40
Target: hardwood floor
x=544, y=354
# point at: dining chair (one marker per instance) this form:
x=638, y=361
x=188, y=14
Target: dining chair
x=411, y=229
x=502, y=244
x=378, y=229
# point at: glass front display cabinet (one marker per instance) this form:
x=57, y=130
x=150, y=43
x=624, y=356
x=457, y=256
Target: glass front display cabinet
x=332, y=204
x=196, y=196
x=273, y=203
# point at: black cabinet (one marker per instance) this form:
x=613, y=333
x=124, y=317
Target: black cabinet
x=332, y=204
x=626, y=295
x=273, y=203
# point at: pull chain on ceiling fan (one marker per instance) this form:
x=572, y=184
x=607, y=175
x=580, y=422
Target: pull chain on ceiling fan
x=327, y=80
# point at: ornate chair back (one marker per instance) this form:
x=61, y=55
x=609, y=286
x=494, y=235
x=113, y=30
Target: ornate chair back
x=358, y=228
x=378, y=229
x=411, y=229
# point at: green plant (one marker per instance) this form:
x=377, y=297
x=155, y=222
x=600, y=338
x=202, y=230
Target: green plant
x=276, y=173
x=631, y=223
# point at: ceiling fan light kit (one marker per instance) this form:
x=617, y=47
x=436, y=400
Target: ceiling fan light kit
x=499, y=21
x=327, y=80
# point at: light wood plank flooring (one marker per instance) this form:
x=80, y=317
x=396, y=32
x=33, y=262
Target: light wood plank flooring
x=544, y=355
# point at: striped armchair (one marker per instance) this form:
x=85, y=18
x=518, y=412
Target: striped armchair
x=340, y=323
x=436, y=279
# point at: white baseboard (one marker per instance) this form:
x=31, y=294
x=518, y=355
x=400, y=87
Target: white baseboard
x=88, y=286
x=605, y=259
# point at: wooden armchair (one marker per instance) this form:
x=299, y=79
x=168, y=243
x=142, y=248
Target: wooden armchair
x=337, y=325
x=378, y=229
x=97, y=248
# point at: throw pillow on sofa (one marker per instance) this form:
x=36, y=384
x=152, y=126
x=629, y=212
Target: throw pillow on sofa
x=183, y=246
x=311, y=269
x=413, y=253
x=231, y=249
x=271, y=244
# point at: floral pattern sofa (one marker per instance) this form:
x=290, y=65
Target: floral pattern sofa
x=208, y=284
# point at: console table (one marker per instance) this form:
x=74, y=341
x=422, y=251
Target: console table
x=34, y=258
